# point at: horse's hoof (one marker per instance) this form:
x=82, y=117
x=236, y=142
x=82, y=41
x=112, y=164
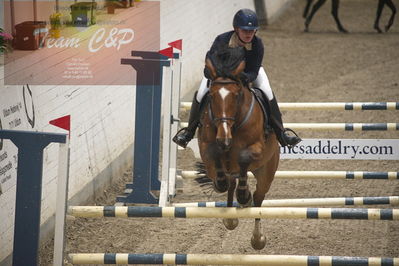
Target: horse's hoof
x=306, y=26
x=221, y=186
x=258, y=242
x=244, y=198
x=230, y=224
x=378, y=29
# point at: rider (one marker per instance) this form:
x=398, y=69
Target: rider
x=245, y=24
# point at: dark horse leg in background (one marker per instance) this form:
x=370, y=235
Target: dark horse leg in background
x=307, y=7
x=334, y=11
x=380, y=7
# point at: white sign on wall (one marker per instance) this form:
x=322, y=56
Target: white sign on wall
x=16, y=113
x=343, y=149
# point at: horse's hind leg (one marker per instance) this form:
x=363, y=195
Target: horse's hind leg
x=231, y=224
x=264, y=177
x=314, y=10
x=334, y=11
x=258, y=240
x=392, y=18
x=380, y=7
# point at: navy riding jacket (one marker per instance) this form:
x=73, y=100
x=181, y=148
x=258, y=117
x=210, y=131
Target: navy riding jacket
x=253, y=58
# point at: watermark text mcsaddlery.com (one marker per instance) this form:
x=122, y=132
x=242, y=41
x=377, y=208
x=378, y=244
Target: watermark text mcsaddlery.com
x=344, y=149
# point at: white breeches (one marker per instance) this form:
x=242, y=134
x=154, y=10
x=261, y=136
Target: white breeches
x=261, y=82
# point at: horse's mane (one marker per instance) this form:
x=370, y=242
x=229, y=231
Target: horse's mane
x=225, y=60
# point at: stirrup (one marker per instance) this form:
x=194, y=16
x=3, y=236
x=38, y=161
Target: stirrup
x=296, y=135
x=182, y=139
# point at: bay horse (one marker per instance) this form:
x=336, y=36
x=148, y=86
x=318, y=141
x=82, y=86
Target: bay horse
x=334, y=12
x=232, y=140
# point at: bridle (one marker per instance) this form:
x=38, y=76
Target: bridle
x=216, y=120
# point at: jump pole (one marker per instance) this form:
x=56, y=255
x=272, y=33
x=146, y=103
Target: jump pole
x=337, y=126
x=333, y=106
x=223, y=259
x=316, y=175
x=346, y=201
x=232, y=212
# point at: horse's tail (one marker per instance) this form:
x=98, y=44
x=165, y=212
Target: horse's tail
x=202, y=178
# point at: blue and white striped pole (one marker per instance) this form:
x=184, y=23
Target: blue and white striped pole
x=226, y=259
x=337, y=126
x=346, y=201
x=316, y=175
x=337, y=106
x=232, y=212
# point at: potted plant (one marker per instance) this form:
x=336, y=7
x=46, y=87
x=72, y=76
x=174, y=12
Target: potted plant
x=55, y=22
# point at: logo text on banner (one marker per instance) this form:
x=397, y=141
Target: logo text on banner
x=343, y=149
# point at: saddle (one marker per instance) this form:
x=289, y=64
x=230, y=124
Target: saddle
x=264, y=104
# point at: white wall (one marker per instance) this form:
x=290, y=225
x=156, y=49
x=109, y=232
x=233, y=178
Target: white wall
x=274, y=8
x=102, y=129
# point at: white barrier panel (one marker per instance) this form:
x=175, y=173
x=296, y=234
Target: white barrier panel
x=334, y=149
x=343, y=149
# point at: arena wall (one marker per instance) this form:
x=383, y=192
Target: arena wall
x=274, y=8
x=102, y=130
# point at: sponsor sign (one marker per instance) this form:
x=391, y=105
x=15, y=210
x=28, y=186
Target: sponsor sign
x=84, y=46
x=334, y=149
x=343, y=149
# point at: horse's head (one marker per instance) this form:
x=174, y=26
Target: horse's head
x=225, y=94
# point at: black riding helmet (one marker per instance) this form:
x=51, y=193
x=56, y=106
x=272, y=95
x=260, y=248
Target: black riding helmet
x=245, y=19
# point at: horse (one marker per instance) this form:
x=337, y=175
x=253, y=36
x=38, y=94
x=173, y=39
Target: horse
x=334, y=12
x=232, y=140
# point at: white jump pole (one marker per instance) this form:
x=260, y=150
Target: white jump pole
x=332, y=106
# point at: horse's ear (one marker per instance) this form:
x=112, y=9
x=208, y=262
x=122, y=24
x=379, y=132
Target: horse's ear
x=211, y=68
x=240, y=68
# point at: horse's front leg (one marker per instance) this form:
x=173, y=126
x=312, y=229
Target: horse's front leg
x=231, y=224
x=246, y=156
x=315, y=7
x=221, y=183
x=307, y=7
x=243, y=194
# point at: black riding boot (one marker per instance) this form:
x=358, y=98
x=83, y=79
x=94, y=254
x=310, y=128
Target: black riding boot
x=184, y=135
x=277, y=124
